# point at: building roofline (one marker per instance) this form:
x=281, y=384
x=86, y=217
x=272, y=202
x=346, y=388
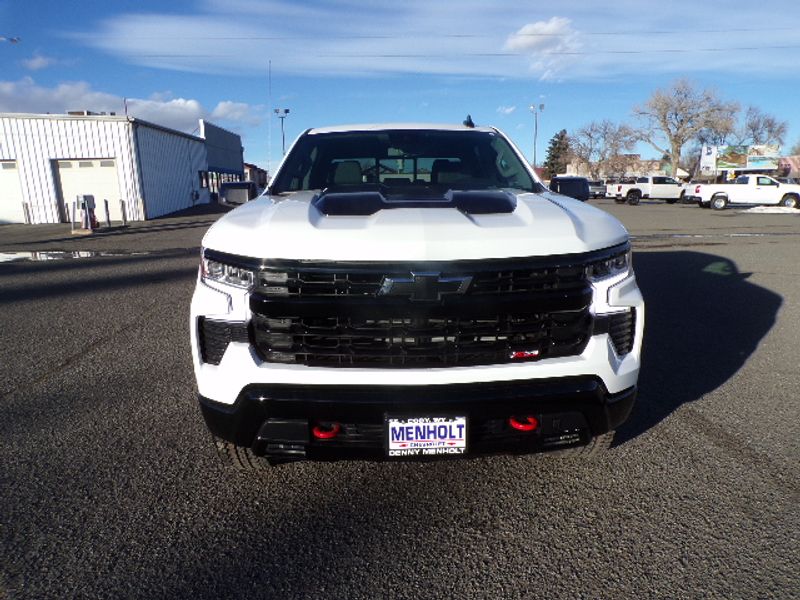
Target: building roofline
x=64, y=117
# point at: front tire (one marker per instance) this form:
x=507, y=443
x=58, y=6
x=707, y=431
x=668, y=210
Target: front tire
x=719, y=202
x=239, y=457
x=789, y=201
x=596, y=447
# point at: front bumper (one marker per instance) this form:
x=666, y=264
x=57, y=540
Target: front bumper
x=276, y=421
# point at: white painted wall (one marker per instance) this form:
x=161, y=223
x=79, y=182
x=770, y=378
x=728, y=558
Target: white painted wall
x=157, y=169
x=35, y=141
x=169, y=166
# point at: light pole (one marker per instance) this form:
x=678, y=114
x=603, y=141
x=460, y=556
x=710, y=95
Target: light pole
x=535, y=109
x=282, y=112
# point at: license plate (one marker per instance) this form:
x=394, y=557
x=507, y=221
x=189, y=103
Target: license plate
x=426, y=436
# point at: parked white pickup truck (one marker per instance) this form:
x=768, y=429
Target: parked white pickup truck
x=747, y=189
x=655, y=186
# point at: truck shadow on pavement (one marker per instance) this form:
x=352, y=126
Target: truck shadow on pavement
x=703, y=321
x=142, y=508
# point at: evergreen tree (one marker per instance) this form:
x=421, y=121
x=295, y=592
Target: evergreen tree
x=558, y=154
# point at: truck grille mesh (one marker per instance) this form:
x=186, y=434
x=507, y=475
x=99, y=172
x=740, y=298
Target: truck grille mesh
x=215, y=337
x=439, y=342
x=340, y=282
x=621, y=329
x=335, y=315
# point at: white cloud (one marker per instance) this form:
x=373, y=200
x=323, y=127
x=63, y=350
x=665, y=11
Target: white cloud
x=236, y=111
x=242, y=36
x=26, y=96
x=182, y=114
x=38, y=62
x=476, y=38
x=179, y=113
x=506, y=110
x=550, y=45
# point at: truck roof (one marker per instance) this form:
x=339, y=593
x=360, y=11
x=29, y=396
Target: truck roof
x=396, y=126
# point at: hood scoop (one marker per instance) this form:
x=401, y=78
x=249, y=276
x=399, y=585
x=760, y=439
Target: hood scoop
x=363, y=203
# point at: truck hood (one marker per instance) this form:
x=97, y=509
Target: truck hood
x=290, y=227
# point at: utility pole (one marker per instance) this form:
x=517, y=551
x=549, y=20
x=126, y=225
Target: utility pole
x=535, y=109
x=282, y=112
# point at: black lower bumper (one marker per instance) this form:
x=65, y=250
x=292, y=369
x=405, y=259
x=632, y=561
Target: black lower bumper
x=277, y=420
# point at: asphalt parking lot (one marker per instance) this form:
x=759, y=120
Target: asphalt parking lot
x=110, y=487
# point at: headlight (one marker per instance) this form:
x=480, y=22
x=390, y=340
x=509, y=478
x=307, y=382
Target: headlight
x=214, y=270
x=612, y=266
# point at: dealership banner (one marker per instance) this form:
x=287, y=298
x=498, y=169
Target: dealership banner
x=763, y=157
x=727, y=158
x=708, y=160
x=732, y=157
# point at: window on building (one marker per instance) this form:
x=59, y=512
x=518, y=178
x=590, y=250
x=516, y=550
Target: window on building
x=8, y=165
x=85, y=163
x=106, y=163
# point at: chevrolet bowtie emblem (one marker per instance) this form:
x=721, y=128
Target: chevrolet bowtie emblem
x=424, y=286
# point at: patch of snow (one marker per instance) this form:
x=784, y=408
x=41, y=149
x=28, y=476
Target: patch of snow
x=771, y=210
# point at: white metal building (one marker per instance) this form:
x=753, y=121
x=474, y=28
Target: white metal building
x=46, y=161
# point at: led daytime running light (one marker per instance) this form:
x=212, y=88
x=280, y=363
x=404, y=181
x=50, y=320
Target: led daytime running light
x=213, y=270
x=610, y=267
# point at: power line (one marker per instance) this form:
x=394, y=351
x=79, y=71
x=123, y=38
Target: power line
x=628, y=32
x=496, y=54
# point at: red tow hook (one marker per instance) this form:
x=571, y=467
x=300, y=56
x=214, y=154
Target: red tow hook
x=529, y=423
x=326, y=431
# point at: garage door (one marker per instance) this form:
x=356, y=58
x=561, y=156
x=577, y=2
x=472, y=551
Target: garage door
x=93, y=177
x=11, y=210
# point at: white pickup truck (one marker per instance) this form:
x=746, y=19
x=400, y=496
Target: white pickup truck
x=413, y=291
x=652, y=186
x=747, y=189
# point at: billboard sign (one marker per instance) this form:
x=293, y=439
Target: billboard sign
x=739, y=158
x=732, y=157
x=763, y=157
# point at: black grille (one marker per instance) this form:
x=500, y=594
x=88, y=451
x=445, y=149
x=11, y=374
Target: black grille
x=442, y=342
x=215, y=337
x=333, y=281
x=339, y=314
x=621, y=327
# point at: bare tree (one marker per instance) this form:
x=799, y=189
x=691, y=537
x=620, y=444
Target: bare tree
x=671, y=117
x=760, y=128
x=602, y=147
x=795, y=150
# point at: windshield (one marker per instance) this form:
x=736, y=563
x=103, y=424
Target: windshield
x=402, y=159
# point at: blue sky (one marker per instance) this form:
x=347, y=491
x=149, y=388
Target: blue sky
x=351, y=61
